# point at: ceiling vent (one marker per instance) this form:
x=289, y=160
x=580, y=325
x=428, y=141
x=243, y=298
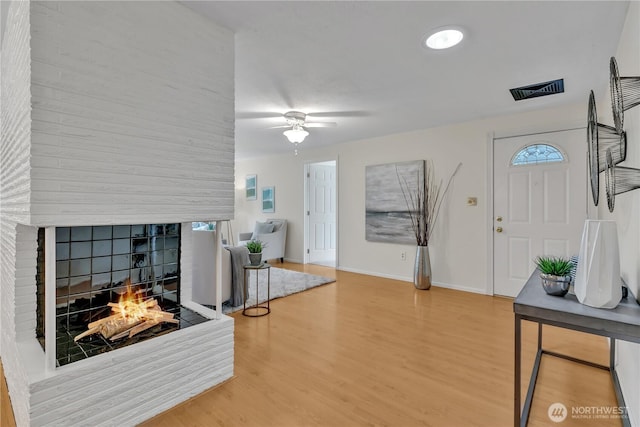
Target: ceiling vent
x=538, y=89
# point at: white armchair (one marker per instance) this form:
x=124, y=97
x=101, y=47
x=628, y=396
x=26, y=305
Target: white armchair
x=273, y=233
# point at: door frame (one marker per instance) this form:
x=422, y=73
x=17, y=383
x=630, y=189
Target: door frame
x=490, y=235
x=490, y=214
x=307, y=166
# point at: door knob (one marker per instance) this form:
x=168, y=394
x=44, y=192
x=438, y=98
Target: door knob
x=499, y=219
x=499, y=230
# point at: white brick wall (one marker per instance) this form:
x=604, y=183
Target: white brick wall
x=127, y=386
x=25, y=285
x=15, y=135
x=186, y=253
x=14, y=298
x=1, y=31
x=133, y=114
x=111, y=113
x=15, y=110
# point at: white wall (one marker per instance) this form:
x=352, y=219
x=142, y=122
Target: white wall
x=286, y=174
x=4, y=9
x=133, y=114
x=461, y=235
x=627, y=206
x=112, y=112
x=16, y=116
x=1, y=31
x=15, y=134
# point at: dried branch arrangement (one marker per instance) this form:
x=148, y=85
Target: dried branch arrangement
x=424, y=200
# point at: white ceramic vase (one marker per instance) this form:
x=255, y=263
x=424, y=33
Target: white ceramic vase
x=598, y=281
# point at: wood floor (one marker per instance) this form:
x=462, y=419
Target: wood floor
x=6, y=414
x=368, y=351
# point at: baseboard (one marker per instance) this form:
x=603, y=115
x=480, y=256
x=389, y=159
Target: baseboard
x=275, y=261
x=410, y=280
x=376, y=274
x=461, y=288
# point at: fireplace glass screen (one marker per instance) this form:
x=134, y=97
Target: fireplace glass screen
x=97, y=266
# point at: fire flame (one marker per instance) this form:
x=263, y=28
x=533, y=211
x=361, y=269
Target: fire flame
x=131, y=315
x=133, y=308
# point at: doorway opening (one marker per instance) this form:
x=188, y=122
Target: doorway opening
x=320, y=213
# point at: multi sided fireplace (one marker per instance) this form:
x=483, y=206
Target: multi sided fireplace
x=88, y=139
x=115, y=286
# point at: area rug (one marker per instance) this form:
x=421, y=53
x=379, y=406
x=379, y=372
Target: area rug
x=283, y=283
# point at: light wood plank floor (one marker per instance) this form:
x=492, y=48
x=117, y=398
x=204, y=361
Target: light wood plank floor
x=6, y=413
x=371, y=351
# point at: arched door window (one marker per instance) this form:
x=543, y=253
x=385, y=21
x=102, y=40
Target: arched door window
x=537, y=153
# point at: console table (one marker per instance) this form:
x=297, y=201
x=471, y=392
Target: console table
x=533, y=304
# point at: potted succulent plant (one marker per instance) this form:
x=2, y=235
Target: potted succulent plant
x=555, y=273
x=255, y=251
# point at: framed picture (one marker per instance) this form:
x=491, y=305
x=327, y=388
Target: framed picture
x=251, y=185
x=268, y=199
x=387, y=216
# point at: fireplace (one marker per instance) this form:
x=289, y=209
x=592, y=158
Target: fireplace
x=105, y=132
x=180, y=360
x=96, y=267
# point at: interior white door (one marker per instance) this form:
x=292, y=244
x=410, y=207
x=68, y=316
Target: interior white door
x=322, y=213
x=539, y=208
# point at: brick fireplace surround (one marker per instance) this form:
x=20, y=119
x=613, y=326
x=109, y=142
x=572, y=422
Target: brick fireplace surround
x=112, y=113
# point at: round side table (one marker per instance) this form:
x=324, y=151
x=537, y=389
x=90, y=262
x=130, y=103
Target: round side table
x=257, y=310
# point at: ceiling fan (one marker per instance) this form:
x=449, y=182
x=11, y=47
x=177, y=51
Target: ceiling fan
x=297, y=122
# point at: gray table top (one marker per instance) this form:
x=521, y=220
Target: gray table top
x=260, y=266
x=533, y=303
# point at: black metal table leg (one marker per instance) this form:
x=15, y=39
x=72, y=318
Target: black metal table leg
x=516, y=379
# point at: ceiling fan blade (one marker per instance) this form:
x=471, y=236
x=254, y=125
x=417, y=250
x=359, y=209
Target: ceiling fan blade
x=256, y=115
x=340, y=114
x=320, y=125
x=279, y=127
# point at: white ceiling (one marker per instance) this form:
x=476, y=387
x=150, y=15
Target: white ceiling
x=362, y=63
x=367, y=58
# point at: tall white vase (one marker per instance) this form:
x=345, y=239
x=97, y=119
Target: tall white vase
x=598, y=281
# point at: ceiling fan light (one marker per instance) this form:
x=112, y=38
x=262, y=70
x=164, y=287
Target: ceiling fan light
x=295, y=136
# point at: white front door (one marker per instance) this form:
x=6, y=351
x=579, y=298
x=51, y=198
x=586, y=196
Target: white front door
x=322, y=213
x=539, y=208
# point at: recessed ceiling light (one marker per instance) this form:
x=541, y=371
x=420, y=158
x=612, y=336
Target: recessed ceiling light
x=444, y=38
